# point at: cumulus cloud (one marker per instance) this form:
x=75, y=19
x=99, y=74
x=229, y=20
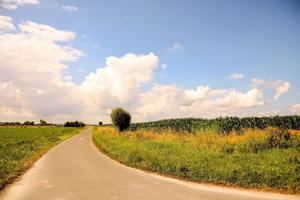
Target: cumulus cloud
x=35, y=81
x=14, y=4
x=67, y=78
x=69, y=9
x=176, y=47
x=295, y=108
x=34, y=84
x=279, y=86
x=172, y=101
x=236, y=76
x=45, y=32
x=119, y=82
x=6, y=23
x=281, y=89
x=34, y=78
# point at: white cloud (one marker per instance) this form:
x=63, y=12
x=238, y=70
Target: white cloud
x=119, y=82
x=255, y=82
x=279, y=86
x=12, y=97
x=236, y=76
x=295, y=108
x=68, y=78
x=176, y=47
x=14, y=4
x=34, y=84
x=44, y=32
x=164, y=66
x=16, y=114
x=32, y=63
x=236, y=100
x=69, y=9
x=281, y=89
x=166, y=101
x=6, y=23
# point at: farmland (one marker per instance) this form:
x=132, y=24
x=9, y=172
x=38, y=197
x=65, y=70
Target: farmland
x=222, y=124
x=266, y=158
x=20, y=147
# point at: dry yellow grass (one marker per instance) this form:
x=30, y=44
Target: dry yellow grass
x=252, y=158
x=295, y=132
x=201, y=138
x=249, y=140
x=108, y=130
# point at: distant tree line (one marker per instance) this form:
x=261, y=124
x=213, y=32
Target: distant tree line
x=222, y=124
x=74, y=124
x=10, y=123
x=43, y=123
x=26, y=123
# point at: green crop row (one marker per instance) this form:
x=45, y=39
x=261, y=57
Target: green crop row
x=221, y=124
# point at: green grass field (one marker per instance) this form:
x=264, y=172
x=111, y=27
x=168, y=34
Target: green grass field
x=268, y=159
x=20, y=147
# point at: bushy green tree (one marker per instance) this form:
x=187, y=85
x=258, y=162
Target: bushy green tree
x=120, y=118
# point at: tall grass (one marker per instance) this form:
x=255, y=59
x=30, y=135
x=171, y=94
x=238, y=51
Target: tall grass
x=20, y=147
x=268, y=159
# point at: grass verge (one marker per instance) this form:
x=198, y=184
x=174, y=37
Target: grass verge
x=21, y=147
x=266, y=159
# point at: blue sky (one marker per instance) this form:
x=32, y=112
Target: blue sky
x=200, y=42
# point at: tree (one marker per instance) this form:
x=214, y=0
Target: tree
x=29, y=123
x=120, y=118
x=74, y=124
x=43, y=122
x=100, y=123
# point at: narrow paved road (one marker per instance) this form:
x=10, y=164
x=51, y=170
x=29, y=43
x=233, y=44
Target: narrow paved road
x=76, y=169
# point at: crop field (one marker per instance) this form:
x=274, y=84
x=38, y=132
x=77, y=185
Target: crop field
x=267, y=158
x=20, y=147
x=222, y=124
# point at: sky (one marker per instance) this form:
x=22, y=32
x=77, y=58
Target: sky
x=76, y=60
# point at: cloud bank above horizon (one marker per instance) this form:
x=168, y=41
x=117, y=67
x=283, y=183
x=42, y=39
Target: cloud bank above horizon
x=35, y=84
x=14, y=4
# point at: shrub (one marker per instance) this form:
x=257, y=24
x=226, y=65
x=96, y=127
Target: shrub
x=279, y=138
x=100, y=123
x=74, y=124
x=120, y=118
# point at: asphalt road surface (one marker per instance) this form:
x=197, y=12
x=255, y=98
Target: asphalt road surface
x=76, y=169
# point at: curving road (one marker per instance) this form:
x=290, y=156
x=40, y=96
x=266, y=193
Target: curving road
x=76, y=169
